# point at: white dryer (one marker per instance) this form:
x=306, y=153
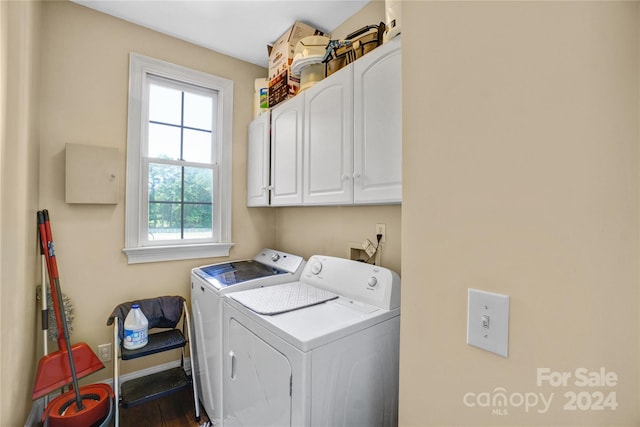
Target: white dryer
x=321, y=351
x=209, y=283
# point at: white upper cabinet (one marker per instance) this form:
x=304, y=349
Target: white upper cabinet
x=338, y=142
x=377, y=120
x=258, y=159
x=286, y=152
x=328, y=141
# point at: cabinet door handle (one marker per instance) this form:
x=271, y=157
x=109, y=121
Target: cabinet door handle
x=345, y=177
x=356, y=175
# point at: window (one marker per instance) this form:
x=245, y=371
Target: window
x=178, y=163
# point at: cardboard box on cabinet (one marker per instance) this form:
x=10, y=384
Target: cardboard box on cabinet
x=282, y=84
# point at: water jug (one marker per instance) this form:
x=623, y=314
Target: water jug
x=136, y=327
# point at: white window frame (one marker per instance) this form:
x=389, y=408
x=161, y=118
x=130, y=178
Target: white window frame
x=140, y=68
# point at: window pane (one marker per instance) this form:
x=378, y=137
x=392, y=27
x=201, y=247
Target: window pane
x=164, y=142
x=197, y=146
x=197, y=221
x=177, y=211
x=165, y=221
x=165, y=183
x=165, y=104
x=198, y=185
x=197, y=111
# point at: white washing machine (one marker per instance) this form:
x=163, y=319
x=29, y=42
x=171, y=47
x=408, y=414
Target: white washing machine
x=209, y=283
x=321, y=351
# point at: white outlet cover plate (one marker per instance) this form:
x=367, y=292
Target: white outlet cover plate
x=488, y=321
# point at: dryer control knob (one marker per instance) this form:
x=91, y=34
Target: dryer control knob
x=372, y=281
x=275, y=257
x=316, y=267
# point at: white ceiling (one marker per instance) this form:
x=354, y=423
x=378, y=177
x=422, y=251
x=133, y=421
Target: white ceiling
x=238, y=28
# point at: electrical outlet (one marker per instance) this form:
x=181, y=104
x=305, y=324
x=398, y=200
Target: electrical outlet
x=104, y=352
x=381, y=229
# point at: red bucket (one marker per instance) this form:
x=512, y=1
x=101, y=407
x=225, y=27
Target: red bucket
x=97, y=402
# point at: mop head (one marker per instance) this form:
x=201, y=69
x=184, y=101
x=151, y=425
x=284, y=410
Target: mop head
x=96, y=406
x=66, y=306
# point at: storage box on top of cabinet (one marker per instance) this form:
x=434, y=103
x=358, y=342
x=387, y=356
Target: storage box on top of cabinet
x=282, y=83
x=340, y=141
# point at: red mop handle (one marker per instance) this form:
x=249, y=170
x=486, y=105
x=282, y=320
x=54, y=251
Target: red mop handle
x=47, y=244
x=63, y=331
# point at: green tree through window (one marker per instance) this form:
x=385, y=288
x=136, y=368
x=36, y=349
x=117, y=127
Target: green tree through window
x=179, y=201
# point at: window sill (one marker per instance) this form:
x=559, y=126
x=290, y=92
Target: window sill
x=174, y=253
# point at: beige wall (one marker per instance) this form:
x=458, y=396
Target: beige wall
x=333, y=230
x=371, y=14
x=84, y=100
x=19, y=76
x=521, y=132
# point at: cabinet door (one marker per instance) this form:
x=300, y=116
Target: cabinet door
x=286, y=152
x=258, y=160
x=328, y=142
x=257, y=384
x=378, y=125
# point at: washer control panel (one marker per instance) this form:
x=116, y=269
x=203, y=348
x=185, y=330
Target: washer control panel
x=279, y=259
x=355, y=280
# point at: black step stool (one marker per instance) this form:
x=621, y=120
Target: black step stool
x=163, y=313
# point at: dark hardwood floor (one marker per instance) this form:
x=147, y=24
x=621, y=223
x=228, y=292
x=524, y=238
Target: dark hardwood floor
x=175, y=410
